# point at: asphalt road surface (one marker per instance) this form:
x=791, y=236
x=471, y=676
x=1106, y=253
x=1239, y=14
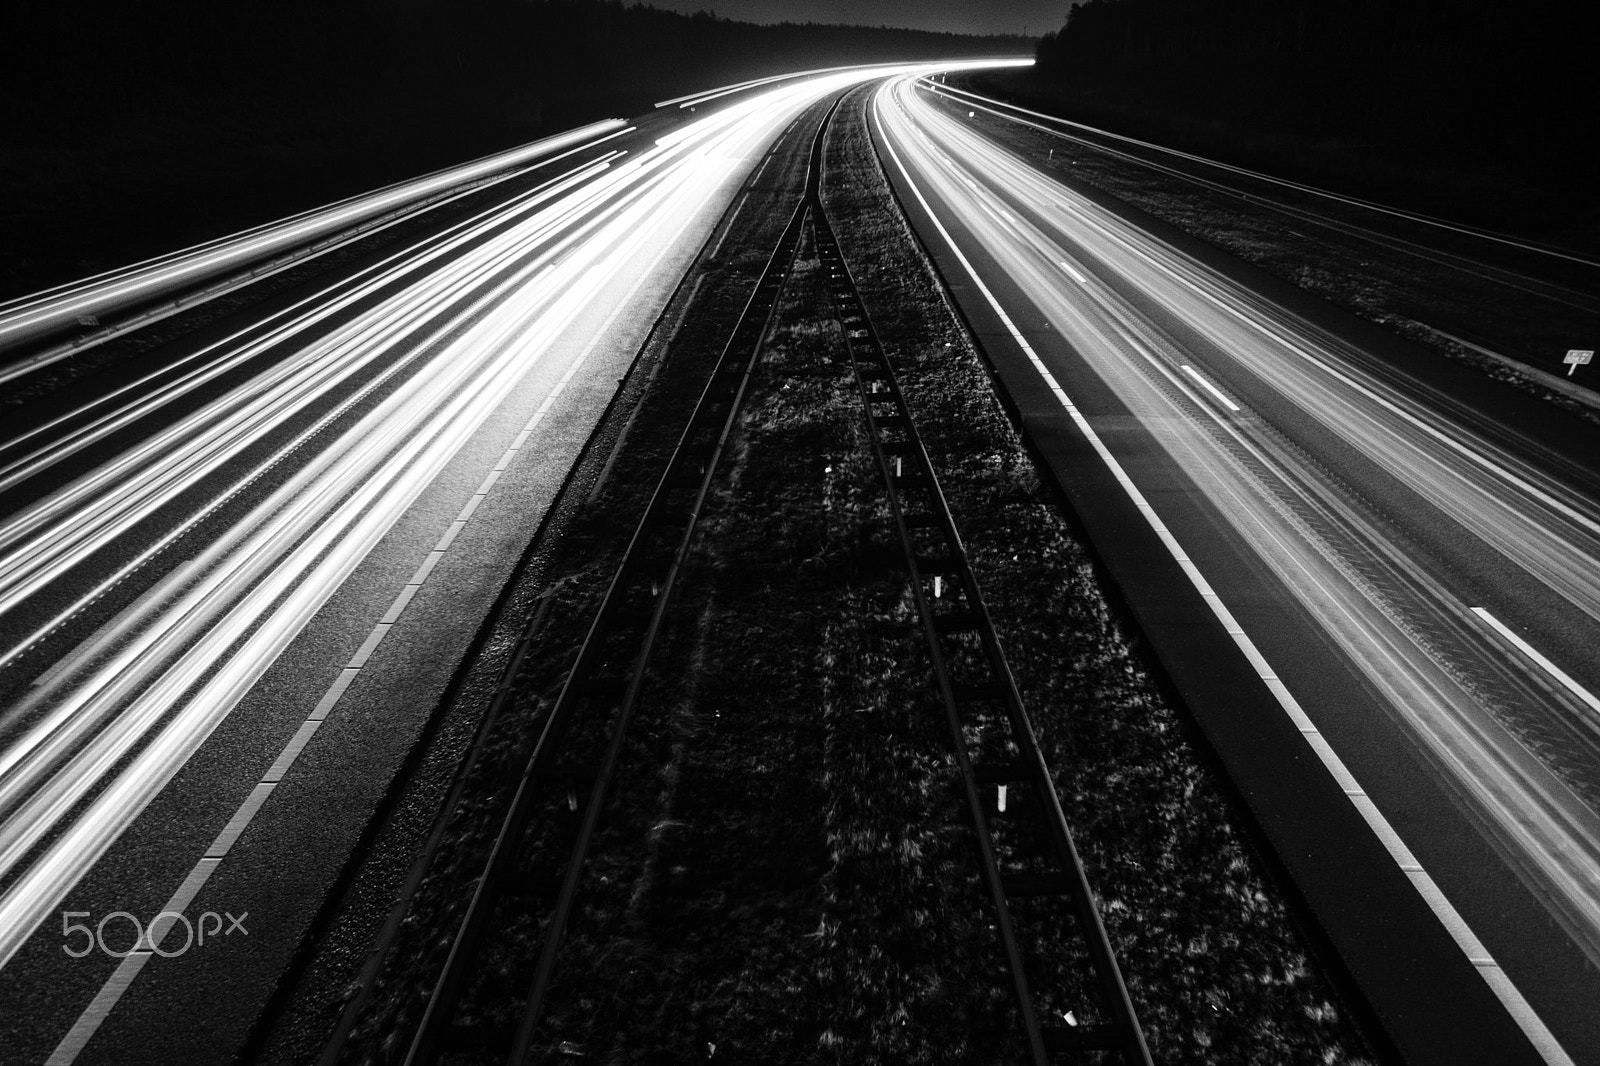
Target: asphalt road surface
x=1376, y=580
x=237, y=570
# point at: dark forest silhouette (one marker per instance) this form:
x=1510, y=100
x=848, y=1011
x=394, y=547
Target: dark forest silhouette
x=1505, y=82
x=1481, y=112
x=69, y=70
x=133, y=129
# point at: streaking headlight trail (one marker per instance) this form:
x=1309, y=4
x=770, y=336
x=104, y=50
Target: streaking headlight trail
x=418, y=352
x=1196, y=359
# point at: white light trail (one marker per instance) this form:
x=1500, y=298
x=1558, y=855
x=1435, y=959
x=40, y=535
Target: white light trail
x=103, y=294
x=694, y=99
x=1263, y=489
x=1054, y=124
x=69, y=433
x=363, y=400
x=1212, y=389
x=70, y=527
x=1537, y=524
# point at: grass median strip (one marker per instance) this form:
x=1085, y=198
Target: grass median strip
x=784, y=874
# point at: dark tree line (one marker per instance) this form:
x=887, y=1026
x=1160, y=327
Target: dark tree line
x=1513, y=76
x=64, y=67
x=130, y=129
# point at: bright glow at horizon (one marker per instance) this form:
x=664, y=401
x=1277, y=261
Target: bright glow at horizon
x=992, y=17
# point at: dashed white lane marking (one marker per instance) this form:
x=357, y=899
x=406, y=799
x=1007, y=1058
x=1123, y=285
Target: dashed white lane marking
x=1521, y=1012
x=106, y=999
x=1561, y=676
x=734, y=214
x=1079, y=278
x=1212, y=389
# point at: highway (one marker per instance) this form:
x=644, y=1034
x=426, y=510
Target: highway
x=238, y=567
x=1401, y=583
x=179, y=272
x=236, y=571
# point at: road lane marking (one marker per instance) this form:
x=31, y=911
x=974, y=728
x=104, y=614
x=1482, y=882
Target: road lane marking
x=247, y=811
x=1510, y=997
x=1079, y=278
x=1484, y=462
x=1321, y=363
x=1212, y=389
x=457, y=239
x=88, y=1023
x=1566, y=681
x=70, y=855
x=297, y=744
x=737, y=207
x=380, y=631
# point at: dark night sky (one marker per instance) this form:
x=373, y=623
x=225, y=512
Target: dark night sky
x=1034, y=17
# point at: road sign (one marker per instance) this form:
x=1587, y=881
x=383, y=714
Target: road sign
x=1576, y=358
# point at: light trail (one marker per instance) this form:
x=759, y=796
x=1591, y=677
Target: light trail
x=78, y=429
x=1540, y=525
x=37, y=315
x=695, y=99
x=70, y=527
x=1152, y=322
x=1059, y=126
x=336, y=416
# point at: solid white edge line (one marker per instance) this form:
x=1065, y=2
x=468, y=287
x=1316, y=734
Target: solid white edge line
x=1212, y=389
x=1560, y=675
x=1521, y=1012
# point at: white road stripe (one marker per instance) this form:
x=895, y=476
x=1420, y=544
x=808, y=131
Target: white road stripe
x=1588, y=698
x=1511, y=998
x=1212, y=389
x=242, y=817
x=401, y=601
x=981, y=102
